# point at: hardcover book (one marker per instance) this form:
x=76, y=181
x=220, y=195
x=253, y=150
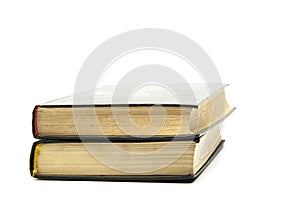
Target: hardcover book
x=181, y=161
x=56, y=119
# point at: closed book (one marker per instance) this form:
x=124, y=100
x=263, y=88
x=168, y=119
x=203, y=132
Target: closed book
x=151, y=112
x=162, y=161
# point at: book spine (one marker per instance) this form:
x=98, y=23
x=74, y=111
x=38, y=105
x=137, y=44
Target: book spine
x=34, y=122
x=32, y=159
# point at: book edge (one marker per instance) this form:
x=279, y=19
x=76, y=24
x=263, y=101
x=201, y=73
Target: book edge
x=188, y=137
x=155, y=178
x=34, y=122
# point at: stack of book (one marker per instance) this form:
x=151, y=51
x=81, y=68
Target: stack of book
x=152, y=137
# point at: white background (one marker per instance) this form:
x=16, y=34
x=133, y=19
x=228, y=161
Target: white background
x=254, y=44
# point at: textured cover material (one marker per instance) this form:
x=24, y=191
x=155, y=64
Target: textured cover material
x=133, y=178
x=193, y=94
